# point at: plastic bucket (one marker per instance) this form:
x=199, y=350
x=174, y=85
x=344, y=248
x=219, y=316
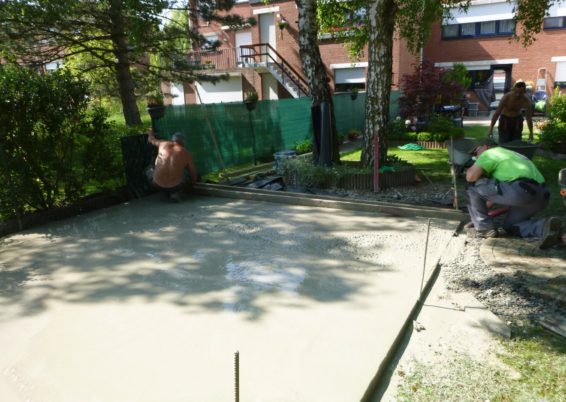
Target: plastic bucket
x=278, y=157
x=459, y=155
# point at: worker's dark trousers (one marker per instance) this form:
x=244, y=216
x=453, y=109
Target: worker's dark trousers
x=510, y=128
x=524, y=199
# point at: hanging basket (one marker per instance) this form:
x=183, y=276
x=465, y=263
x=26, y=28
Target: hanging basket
x=250, y=105
x=156, y=112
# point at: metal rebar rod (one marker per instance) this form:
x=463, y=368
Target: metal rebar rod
x=424, y=259
x=237, y=376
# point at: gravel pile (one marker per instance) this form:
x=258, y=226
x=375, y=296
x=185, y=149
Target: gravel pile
x=506, y=296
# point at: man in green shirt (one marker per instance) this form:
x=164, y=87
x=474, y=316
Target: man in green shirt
x=504, y=177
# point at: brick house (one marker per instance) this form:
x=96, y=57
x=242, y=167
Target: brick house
x=479, y=39
x=274, y=68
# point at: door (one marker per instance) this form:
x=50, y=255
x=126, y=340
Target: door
x=267, y=34
x=243, y=38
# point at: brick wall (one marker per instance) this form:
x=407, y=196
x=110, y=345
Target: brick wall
x=549, y=43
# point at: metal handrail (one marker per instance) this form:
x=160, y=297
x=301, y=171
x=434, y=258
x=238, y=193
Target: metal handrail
x=265, y=50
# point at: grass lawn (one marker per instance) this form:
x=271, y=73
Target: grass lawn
x=434, y=163
x=537, y=368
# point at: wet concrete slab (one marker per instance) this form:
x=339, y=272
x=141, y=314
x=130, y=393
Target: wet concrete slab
x=148, y=301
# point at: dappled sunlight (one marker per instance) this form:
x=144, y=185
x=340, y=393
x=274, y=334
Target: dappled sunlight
x=205, y=254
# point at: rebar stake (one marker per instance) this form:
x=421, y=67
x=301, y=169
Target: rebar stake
x=425, y=253
x=237, y=376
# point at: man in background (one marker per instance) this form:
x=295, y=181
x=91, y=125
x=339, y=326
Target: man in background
x=510, y=116
x=174, y=172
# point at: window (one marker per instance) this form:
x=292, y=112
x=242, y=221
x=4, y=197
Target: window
x=468, y=29
x=487, y=28
x=475, y=29
x=554, y=23
x=450, y=31
x=506, y=27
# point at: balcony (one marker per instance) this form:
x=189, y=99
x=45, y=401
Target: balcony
x=218, y=60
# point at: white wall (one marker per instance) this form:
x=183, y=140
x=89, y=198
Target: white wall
x=493, y=11
x=223, y=91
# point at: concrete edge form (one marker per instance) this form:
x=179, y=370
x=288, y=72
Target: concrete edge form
x=377, y=382
x=403, y=210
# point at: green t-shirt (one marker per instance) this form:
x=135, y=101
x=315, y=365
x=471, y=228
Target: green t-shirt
x=506, y=165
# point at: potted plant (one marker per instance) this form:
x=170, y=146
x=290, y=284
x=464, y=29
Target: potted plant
x=250, y=98
x=354, y=93
x=282, y=24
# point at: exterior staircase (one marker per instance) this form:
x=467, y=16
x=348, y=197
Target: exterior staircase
x=261, y=57
x=264, y=58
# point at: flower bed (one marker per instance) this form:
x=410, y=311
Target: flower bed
x=349, y=176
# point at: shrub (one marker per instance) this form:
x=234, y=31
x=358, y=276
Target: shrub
x=314, y=176
x=304, y=146
x=557, y=107
x=397, y=129
x=426, y=87
x=553, y=132
x=553, y=136
x=424, y=136
x=53, y=146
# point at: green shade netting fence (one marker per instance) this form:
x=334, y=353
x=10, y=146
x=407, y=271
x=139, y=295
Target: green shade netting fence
x=227, y=134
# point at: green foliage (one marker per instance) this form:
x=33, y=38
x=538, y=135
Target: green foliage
x=557, y=107
x=313, y=176
x=251, y=95
x=397, y=129
x=537, y=359
x=52, y=145
x=123, y=44
x=458, y=74
x=303, y=147
x=427, y=87
x=553, y=131
x=529, y=17
x=425, y=136
x=443, y=128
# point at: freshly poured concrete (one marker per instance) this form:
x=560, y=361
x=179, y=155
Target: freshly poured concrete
x=148, y=301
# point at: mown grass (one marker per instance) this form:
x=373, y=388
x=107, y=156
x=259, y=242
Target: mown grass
x=434, y=164
x=536, y=369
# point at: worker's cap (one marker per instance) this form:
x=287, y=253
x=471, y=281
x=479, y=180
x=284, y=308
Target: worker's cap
x=478, y=143
x=179, y=138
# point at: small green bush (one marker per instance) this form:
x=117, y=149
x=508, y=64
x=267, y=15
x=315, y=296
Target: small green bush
x=553, y=136
x=553, y=132
x=314, y=176
x=397, y=129
x=424, y=136
x=304, y=146
x=557, y=107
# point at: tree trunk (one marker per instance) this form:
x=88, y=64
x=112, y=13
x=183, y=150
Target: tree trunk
x=380, y=59
x=124, y=77
x=314, y=69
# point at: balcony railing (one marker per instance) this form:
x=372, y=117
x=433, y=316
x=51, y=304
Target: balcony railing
x=221, y=59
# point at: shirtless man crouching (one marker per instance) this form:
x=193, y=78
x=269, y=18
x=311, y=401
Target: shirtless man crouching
x=509, y=113
x=174, y=171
